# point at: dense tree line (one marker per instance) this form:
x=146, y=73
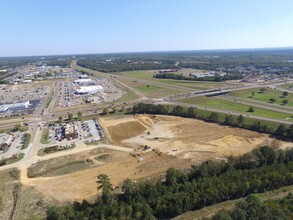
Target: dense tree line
x=216, y=78
x=230, y=120
x=254, y=208
x=206, y=60
x=123, y=65
x=210, y=183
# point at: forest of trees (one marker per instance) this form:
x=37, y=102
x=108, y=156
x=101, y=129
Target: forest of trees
x=230, y=120
x=254, y=208
x=217, y=78
x=205, y=60
x=123, y=65
x=211, y=182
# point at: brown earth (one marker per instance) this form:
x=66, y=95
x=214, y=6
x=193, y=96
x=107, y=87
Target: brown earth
x=82, y=184
x=189, y=138
x=174, y=141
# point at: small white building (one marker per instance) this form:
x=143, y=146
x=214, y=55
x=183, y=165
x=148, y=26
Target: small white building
x=27, y=81
x=83, y=81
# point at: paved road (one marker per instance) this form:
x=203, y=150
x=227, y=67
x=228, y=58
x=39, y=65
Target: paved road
x=227, y=112
x=259, y=104
x=31, y=153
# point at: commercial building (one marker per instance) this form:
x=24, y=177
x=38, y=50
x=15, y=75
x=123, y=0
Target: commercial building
x=83, y=81
x=83, y=90
x=5, y=141
x=14, y=106
x=69, y=131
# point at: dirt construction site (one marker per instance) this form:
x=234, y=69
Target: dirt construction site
x=142, y=146
x=182, y=137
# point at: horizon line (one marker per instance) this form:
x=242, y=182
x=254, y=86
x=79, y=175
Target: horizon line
x=158, y=51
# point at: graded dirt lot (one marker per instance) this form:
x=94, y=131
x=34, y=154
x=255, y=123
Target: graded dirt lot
x=174, y=142
x=187, y=138
x=82, y=184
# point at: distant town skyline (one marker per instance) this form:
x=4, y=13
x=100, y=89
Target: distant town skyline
x=54, y=27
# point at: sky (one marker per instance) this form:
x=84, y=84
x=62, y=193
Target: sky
x=52, y=27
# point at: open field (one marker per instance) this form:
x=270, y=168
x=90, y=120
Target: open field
x=197, y=84
x=118, y=167
x=151, y=88
x=264, y=97
x=5, y=177
x=156, y=91
x=183, y=83
x=142, y=74
x=28, y=203
x=63, y=165
x=45, y=136
x=129, y=95
x=288, y=86
x=236, y=107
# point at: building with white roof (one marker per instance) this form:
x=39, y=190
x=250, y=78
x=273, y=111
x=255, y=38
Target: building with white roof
x=82, y=81
x=89, y=90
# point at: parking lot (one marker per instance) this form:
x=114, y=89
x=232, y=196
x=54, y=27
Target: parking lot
x=92, y=131
x=67, y=92
x=20, y=93
x=15, y=146
x=87, y=131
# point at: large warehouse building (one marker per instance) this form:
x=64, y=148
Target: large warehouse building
x=14, y=106
x=89, y=90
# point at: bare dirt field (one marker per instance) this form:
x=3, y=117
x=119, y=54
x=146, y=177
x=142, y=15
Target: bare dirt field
x=188, y=138
x=173, y=141
x=82, y=184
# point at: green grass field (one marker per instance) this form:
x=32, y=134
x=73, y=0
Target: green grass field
x=184, y=83
x=288, y=86
x=156, y=91
x=129, y=95
x=27, y=139
x=235, y=107
x=263, y=97
x=19, y=157
x=195, y=84
x=45, y=136
x=138, y=74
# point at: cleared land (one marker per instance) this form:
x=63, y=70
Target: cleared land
x=265, y=96
x=151, y=88
x=82, y=184
x=125, y=130
x=192, y=138
x=236, y=107
x=195, y=141
x=138, y=74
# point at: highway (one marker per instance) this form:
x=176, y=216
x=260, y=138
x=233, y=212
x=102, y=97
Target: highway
x=45, y=115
